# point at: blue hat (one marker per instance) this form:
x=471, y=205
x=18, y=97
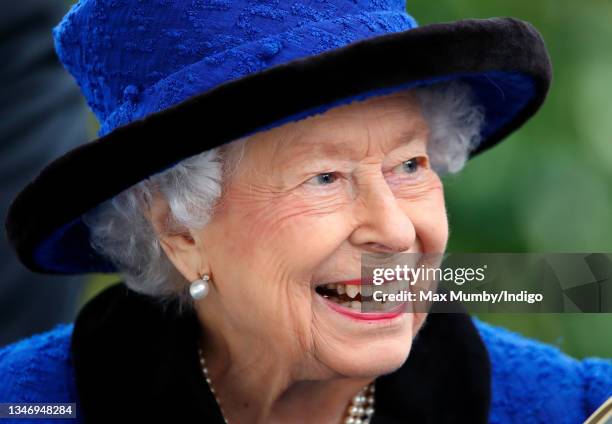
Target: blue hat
x=159, y=74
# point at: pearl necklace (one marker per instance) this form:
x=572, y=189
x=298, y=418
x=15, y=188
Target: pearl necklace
x=359, y=411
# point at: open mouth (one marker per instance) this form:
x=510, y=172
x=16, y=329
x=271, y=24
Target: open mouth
x=347, y=295
x=359, y=297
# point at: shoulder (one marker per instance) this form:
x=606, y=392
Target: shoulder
x=536, y=382
x=38, y=369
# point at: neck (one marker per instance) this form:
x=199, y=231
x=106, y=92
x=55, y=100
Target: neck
x=259, y=383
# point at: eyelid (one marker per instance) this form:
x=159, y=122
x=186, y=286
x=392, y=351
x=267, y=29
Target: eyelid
x=422, y=163
x=310, y=180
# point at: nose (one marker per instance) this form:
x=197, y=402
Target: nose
x=383, y=226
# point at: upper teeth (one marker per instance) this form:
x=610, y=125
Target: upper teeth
x=366, y=292
x=352, y=290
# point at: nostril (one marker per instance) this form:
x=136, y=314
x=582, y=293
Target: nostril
x=378, y=247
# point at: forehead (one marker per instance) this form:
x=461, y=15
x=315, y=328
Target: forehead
x=387, y=126
x=378, y=124
x=381, y=123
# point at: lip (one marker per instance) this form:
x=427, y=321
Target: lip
x=366, y=316
x=355, y=282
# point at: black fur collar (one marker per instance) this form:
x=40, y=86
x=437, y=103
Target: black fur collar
x=135, y=360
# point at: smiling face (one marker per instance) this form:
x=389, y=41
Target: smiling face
x=304, y=202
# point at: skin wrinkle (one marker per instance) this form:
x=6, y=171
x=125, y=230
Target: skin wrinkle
x=278, y=231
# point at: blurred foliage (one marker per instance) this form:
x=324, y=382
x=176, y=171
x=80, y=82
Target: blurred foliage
x=547, y=188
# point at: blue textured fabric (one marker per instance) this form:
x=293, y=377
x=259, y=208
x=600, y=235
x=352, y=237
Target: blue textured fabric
x=531, y=382
x=536, y=383
x=37, y=370
x=133, y=58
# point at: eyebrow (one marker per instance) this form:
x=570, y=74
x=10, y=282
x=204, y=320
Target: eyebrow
x=414, y=132
x=339, y=148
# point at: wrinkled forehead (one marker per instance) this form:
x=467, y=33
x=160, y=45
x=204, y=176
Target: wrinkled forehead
x=375, y=126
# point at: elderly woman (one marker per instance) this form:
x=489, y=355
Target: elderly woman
x=250, y=153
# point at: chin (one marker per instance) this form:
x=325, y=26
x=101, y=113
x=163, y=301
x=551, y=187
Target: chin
x=356, y=344
x=370, y=357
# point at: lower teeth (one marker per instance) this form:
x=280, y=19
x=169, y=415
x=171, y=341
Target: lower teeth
x=356, y=305
x=353, y=304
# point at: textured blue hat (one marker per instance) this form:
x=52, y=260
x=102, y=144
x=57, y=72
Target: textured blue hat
x=159, y=74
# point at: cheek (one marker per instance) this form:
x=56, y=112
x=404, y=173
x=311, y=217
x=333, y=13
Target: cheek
x=428, y=215
x=267, y=253
x=286, y=233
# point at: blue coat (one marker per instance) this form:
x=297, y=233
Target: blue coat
x=530, y=382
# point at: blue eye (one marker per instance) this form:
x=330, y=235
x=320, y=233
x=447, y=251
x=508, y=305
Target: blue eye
x=410, y=166
x=324, y=179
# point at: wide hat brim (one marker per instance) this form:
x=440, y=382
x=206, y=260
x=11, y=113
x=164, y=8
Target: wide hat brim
x=504, y=60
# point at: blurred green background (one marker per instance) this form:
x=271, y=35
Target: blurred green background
x=548, y=188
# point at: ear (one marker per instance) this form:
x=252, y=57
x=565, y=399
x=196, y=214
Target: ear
x=183, y=247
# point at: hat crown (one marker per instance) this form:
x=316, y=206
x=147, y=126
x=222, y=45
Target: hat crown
x=117, y=49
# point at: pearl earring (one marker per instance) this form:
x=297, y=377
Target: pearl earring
x=199, y=288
